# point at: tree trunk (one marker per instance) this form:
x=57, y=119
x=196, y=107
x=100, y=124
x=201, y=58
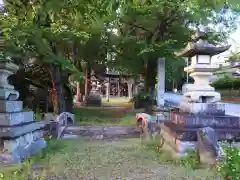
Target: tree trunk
x=54, y=97
x=58, y=98
x=87, y=79
x=69, y=99
x=78, y=95
x=150, y=76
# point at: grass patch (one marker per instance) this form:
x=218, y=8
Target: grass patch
x=104, y=117
x=122, y=101
x=125, y=159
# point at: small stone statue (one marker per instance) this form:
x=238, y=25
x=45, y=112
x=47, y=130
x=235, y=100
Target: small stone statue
x=57, y=126
x=209, y=148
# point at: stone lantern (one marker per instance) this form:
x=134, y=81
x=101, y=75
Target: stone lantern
x=200, y=121
x=200, y=52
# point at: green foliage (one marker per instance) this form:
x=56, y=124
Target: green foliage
x=229, y=168
x=229, y=93
x=234, y=56
x=143, y=100
x=145, y=96
x=83, y=31
x=57, y=33
x=191, y=160
x=161, y=156
x=227, y=83
x=156, y=29
x=104, y=117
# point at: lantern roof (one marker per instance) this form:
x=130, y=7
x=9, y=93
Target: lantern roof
x=199, y=46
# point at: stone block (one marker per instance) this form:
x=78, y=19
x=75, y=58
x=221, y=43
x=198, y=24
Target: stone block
x=10, y=106
x=191, y=120
x=179, y=147
x=12, y=144
x=11, y=119
x=208, y=146
x=16, y=131
x=94, y=99
x=203, y=108
x=22, y=152
x=190, y=134
x=8, y=94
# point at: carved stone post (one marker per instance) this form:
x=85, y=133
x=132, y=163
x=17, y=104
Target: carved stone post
x=161, y=82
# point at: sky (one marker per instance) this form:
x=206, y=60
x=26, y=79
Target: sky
x=234, y=41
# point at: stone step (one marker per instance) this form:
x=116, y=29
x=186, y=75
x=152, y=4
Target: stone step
x=16, y=131
x=10, y=106
x=105, y=131
x=191, y=120
x=11, y=119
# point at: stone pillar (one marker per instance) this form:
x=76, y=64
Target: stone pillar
x=78, y=93
x=118, y=87
x=107, y=84
x=130, y=89
x=161, y=82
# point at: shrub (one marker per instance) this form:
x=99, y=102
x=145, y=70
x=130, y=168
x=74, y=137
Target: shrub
x=229, y=168
x=143, y=100
x=227, y=83
x=191, y=160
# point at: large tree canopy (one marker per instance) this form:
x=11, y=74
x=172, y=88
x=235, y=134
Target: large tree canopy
x=152, y=29
x=76, y=34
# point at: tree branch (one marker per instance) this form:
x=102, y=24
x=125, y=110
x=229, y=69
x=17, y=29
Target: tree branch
x=136, y=26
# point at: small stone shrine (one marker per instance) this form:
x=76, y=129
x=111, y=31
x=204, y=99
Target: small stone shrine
x=201, y=106
x=94, y=98
x=20, y=135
